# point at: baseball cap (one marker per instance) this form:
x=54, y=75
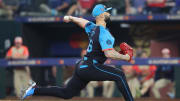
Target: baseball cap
x=99, y=9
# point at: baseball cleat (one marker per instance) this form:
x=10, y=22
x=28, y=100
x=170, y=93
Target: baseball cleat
x=29, y=91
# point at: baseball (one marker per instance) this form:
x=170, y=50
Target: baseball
x=66, y=18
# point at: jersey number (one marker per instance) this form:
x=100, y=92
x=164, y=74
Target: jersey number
x=89, y=49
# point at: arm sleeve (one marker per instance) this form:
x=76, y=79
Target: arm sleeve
x=106, y=40
x=89, y=26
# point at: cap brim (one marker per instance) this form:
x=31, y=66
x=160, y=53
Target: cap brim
x=107, y=9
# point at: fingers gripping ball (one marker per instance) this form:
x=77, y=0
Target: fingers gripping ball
x=121, y=52
x=67, y=19
x=126, y=49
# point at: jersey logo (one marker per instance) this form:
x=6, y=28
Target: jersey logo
x=109, y=42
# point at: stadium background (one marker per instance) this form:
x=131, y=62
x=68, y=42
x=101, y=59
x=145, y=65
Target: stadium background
x=48, y=37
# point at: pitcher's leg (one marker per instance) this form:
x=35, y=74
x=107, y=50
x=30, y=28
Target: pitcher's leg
x=72, y=88
x=124, y=88
x=103, y=73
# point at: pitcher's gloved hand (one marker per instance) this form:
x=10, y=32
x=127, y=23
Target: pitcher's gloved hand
x=121, y=52
x=126, y=49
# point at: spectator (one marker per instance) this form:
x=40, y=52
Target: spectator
x=129, y=7
x=164, y=75
x=108, y=89
x=25, y=6
x=55, y=7
x=54, y=71
x=89, y=90
x=139, y=51
x=12, y=6
x=50, y=75
x=81, y=7
x=107, y=86
x=7, y=8
x=133, y=82
x=147, y=76
x=83, y=52
x=176, y=8
x=139, y=6
x=118, y=6
x=134, y=6
x=21, y=74
x=156, y=6
x=30, y=8
x=85, y=5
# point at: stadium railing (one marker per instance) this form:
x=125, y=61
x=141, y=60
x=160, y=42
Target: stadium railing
x=72, y=61
x=156, y=17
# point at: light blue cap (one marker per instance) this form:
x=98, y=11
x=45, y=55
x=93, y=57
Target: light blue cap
x=99, y=9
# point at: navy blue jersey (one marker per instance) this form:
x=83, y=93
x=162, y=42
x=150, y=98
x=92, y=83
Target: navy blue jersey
x=100, y=39
x=165, y=71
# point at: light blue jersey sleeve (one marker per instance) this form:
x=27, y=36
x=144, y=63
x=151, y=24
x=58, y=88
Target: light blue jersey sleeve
x=106, y=40
x=89, y=26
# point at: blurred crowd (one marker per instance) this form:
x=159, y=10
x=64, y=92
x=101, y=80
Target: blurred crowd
x=151, y=80
x=12, y=8
x=143, y=80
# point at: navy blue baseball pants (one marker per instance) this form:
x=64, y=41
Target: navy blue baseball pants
x=88, y=71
